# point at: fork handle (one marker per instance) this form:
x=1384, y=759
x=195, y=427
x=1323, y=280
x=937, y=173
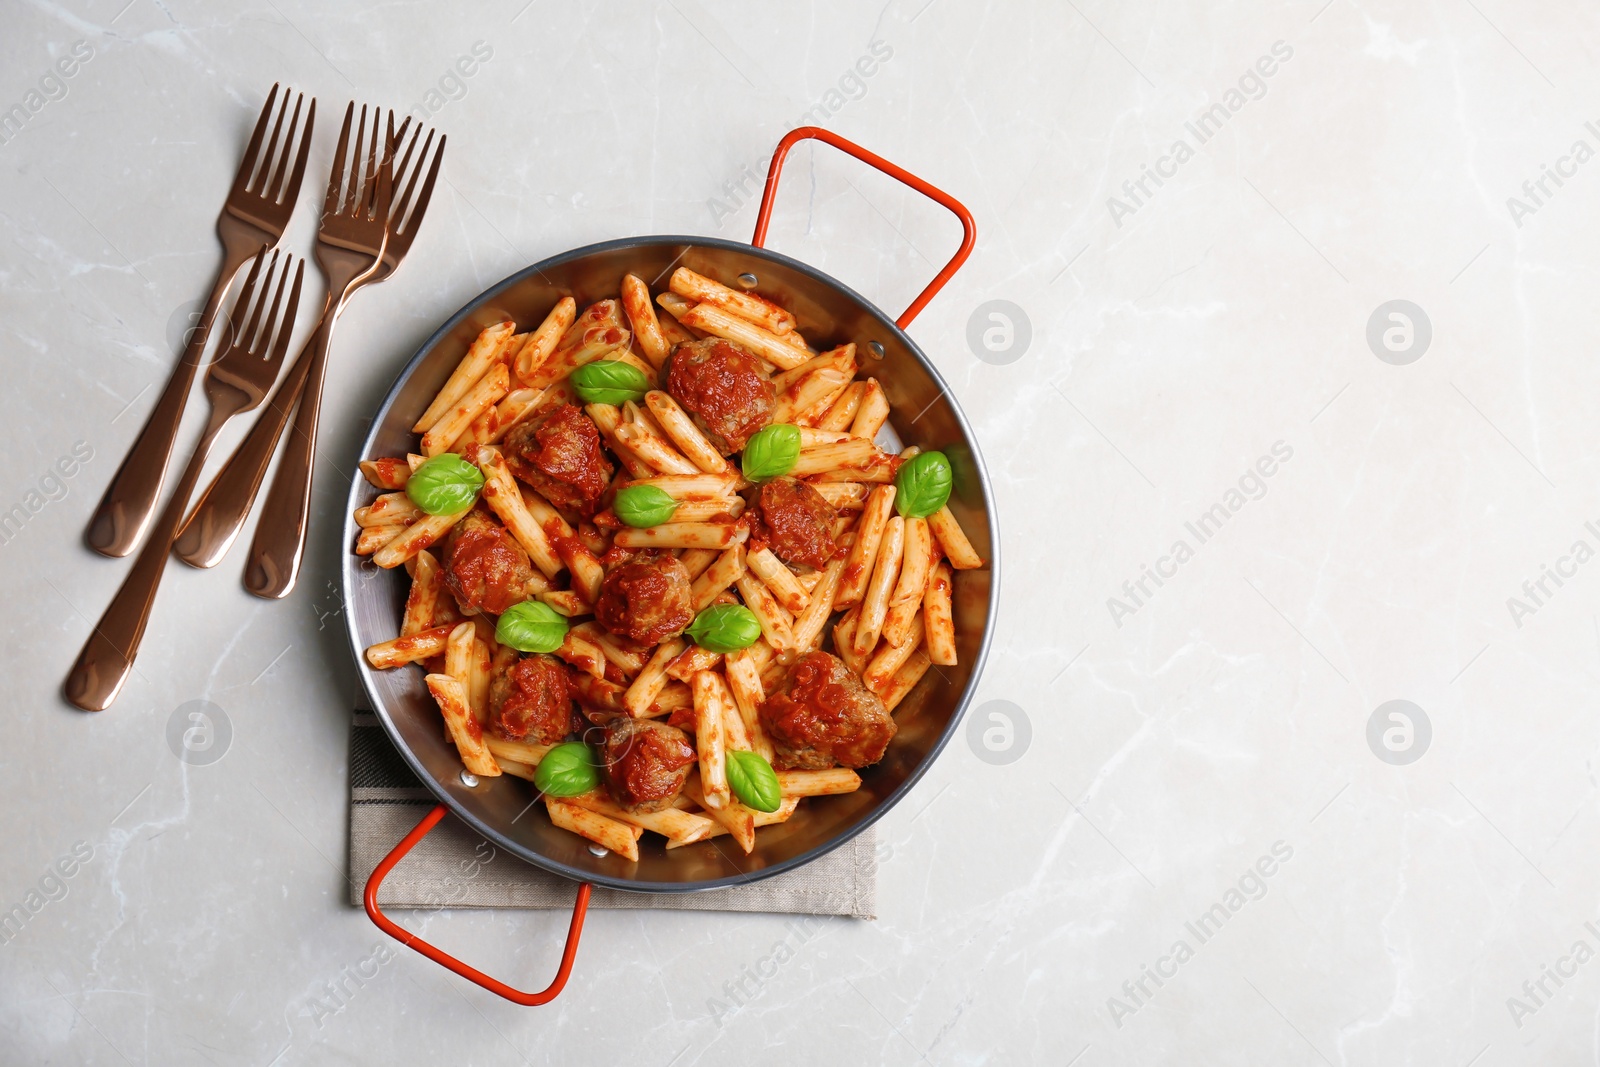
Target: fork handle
x=273, y=564
x=223, y=507
x=107, y=657
x=124, y=511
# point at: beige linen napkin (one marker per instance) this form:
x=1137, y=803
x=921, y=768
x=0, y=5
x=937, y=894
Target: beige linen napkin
x=454, y=867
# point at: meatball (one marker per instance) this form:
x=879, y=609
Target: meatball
x=560, y=456
x=796, y=522
x=646, y=599
x=645, y=762
x=820, y=716
x=724, y=388
x=530, y=699
x=484, y=565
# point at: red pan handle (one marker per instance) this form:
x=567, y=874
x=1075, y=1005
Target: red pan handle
x=444, y=959
x=969, y=229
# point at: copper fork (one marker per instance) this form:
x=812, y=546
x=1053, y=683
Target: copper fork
x=223, y=508
x=255, y=214
x=236, y=382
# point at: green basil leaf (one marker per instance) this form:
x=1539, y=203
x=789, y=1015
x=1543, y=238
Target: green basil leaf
x=609, y=381
x=444, y=485
x=771, y=452
x=753, y=781
x=922, y=485
x=644, y=505
x=531, y=626
x=725, y=628
x=569, y=770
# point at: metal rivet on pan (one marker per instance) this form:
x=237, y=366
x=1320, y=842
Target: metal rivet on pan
x=876, y=349
x=469, y=779
x=748, y=280
x=596, y=850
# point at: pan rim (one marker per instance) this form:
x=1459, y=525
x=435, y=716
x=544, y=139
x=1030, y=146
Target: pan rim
x=437, y=788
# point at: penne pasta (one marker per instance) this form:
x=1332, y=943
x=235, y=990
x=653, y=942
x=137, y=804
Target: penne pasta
x=567, y=602
x=915, y=563
x=682, y=431
x=710, y=741
x=830, y=782
x=864, y=552
x=596, y=332
x=412, y=648
x=905, y=679
x=695, y=486
x=474, y=402
x=692, y=661
x=842, y=412
x=697, y=287
x=586, y=570
x=710, y=319
x=424, y=533
x=776, y=629
x=872, y=413
x=458, y=652
x=373, y=538
x=843, y=496
x=677, y=826
x=608, y=833
x=853, y=452
x=464, y=728
x=651, y=446
x=744, y=685
x=652, y=677
x=957, y=549
x=517, y=406
x=426, y=583
x=733, y=817
x=521, y=751
x=718, y=535
x=809, y=625
x=541, y=342
x=478, y=679
x=779, y=579
x=607, y=417
x=504, y=498
x=844, y=638
x=697, y=560
x=938, y=617
x=732, y=721
x=474, y=365
x=642, y=317
x=727, y=569
x=388, y=472
x=890, y=658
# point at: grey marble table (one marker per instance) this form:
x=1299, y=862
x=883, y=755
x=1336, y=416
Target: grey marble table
x=1279, y=343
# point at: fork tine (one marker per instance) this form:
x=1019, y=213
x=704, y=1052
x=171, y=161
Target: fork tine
x=247, y=166
x=352, y=182
x=385, y=193
x=260, y=180
x=274, y=355
x=412, y=176
x=261, y=344
x=292, y=192
x=245, y=338
x=334, y=202
x=274, y=181
x=362, y=207
x=396, y=136
x=421, y=205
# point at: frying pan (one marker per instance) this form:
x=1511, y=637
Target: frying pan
x=829, y=313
